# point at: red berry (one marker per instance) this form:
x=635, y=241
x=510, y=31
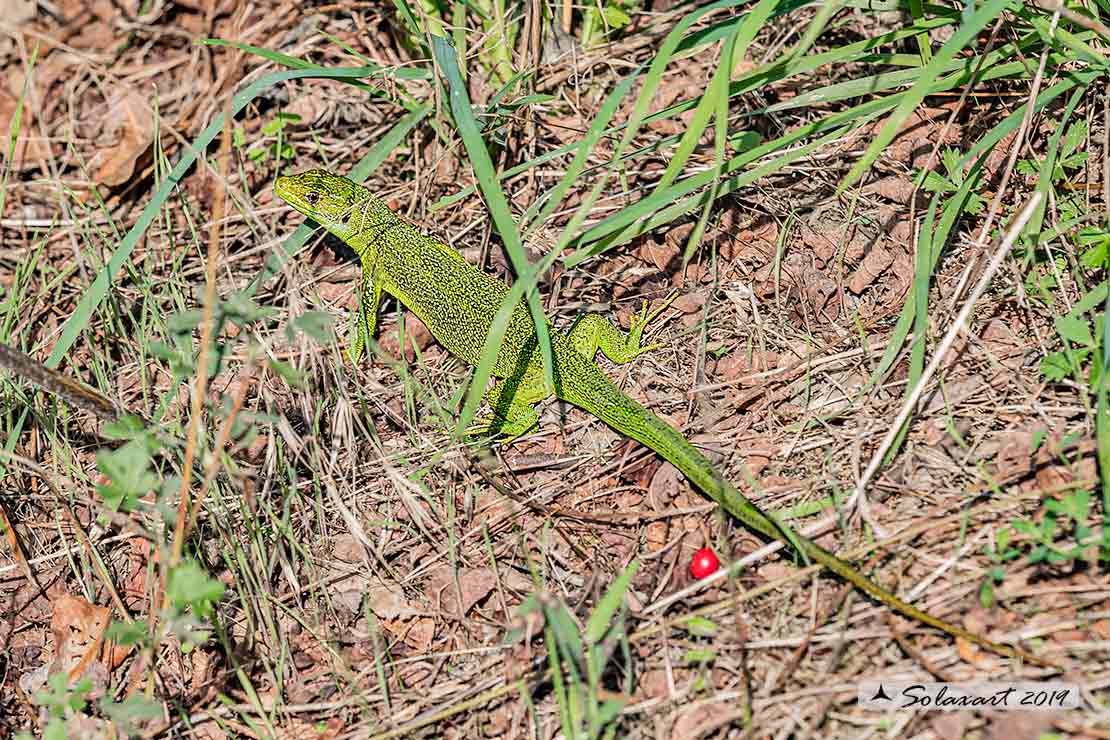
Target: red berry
x=705, y=563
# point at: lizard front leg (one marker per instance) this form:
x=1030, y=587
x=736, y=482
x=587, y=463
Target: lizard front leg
x=364, y=318
x=593, y=332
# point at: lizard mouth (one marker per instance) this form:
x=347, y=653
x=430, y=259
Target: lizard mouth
x=288, y=189
x=283, y=186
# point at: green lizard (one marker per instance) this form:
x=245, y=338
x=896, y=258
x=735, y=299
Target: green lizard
x=457, y=302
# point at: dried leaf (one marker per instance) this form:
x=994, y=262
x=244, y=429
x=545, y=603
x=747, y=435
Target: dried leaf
x=700, y=720
x=917, y=136
x=874, y=264
x=475, y=583
x=756, y=244
x=894, y=188
x=416, y=633
x=678, y=236
x=131, y=121
x=664, y=486
x=15, y=13
x=656, y=535
x=307, y=107
x=388, y=602
x=950, y=725
x=298, y=729
x=738, y=364
x=1010, y=725
x=95, y=36
x=346, y=548
x=659, y=255
x=415, y=333
x=822, y=240
x=689, y=303
x=1101, y=628
x=969, y=652
x=78, y=628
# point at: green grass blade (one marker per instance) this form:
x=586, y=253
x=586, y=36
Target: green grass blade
x=15, y=125
x=925, y=258
x=825, y=11
x=1048, y=164
x=753, y=80
x=664, y=207
x=399, y=73
x=652, y=79
x=910, y=101
x=498, y=204
x=598, y=623
x=416, y=33
x=731, y=53
x=994, y=65
x=1102, y=426
x=1076, y=44
x=924, y=48
x=657, y=210
x=980, y=149
x=654, y=75
x=558, y=686
x=735, y=47
x=551, y=199
x=715, y=32
x=98, y=291
x=707, y=106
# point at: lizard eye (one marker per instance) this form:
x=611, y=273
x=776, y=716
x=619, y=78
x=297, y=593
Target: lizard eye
x=312, y=197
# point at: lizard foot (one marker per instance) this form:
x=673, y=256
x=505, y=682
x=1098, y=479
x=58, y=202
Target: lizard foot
x=639, y=323
x=505, y=431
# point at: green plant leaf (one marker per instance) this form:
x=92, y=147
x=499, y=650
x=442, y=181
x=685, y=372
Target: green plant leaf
x=699, y=656
x=953, y=164
x=287, y=372
x=1075, y=330
x=1056, y=366
x=700, y=626
x=937, y=183
x=615, y=17
x=55, y=730
x=986, y=593
x=598, y=623
x=1074, y=138
x=566, y=631
x=128, y=713
x=1097, y=252
x=129, y=473
x=127, y=633
x=59, y=698
x=184, y=322
x=189, y=585
x=316, y=324
x=125, y=427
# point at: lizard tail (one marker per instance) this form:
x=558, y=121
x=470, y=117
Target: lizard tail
x=633, y=420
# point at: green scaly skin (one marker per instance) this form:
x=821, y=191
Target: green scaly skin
x=457, y=302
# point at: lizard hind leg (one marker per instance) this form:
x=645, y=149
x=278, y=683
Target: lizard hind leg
x=513, y=413
x=593, y=332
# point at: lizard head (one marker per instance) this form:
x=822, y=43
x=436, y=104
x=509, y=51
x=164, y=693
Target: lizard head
x=328, y=199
